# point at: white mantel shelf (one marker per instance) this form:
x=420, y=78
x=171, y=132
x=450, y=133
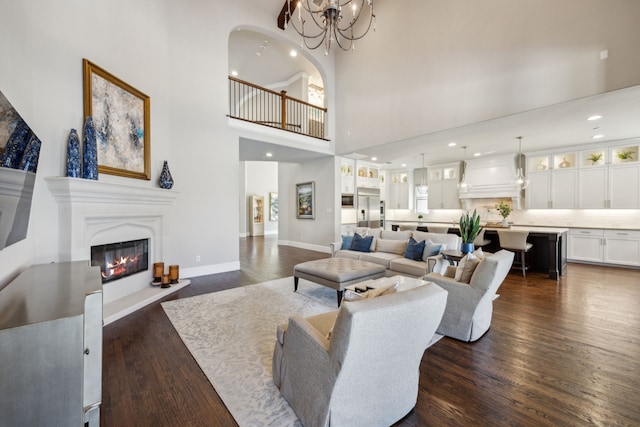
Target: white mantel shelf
x=78, y=190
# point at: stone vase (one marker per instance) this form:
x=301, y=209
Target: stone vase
x=505, y=222
x=165, y=180
x=73, y=155
x=90, y=151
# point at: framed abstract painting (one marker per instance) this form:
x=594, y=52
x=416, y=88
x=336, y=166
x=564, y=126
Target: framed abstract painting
x=121, y=118
x=305, y=196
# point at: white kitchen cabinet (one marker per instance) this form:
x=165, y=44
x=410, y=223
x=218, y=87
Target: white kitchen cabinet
x=585, y=245
x=443, y=186
x=593, y=190
x=624, y=186
x=538, y=192
x=622, y=247
x=398, y=191
x=51, y=346
x=618, y=247
x=563, y=189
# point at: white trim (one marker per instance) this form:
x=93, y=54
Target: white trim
x=308, y=246
x=209, y=269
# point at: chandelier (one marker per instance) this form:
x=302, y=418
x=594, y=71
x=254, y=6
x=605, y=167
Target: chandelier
x=520, y=181
x=423, y=188
x=325, y=22
x=463, y=185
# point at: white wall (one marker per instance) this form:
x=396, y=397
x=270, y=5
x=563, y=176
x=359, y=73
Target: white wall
x=435, y=65
x=175, y=52
x=315, y=233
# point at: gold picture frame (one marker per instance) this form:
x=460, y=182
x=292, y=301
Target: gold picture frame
x=305, y=200
x=120, y=114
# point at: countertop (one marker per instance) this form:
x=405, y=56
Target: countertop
x=515, y=226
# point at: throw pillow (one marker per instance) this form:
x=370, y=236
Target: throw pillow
x=466, y=267
x=361, y=244
x=346, y=242
x=391, y=246
x=414, y=249
x=431, y=249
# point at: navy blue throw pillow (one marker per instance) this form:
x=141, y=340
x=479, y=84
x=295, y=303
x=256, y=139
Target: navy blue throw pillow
x=361, y=244
x=414, y=249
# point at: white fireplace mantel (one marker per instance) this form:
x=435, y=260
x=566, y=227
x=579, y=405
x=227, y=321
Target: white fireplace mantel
x=93, y=212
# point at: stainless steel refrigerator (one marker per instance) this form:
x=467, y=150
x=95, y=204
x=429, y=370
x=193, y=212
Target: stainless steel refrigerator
x=368, y=207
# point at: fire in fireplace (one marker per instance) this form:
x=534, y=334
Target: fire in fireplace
x=118, y=260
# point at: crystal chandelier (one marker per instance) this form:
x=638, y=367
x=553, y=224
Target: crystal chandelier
x=325, y=22
x=463, y=185
x=520, y=181
x=423, y=188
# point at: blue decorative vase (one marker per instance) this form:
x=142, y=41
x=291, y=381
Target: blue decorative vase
x=90, y=151
x=166, y=180
x=73, y=155
x=31, y=155
x=467, y=248
x=16, y=144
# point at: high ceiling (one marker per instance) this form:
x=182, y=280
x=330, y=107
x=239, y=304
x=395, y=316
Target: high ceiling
x=542, y=129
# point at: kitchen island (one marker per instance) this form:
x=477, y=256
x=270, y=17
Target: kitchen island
x=549, y=252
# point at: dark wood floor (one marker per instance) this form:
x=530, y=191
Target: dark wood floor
x=561, y=353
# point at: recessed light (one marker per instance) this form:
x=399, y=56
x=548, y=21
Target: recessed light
x=293, y=53
x=477, y=154
x=594, y=117
x=269, y=155
x=373, y=159
x=598, y=136
x=451, y=144
x=234, y=73
x=404, y=165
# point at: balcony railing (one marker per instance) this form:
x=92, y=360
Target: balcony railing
x=259, y=105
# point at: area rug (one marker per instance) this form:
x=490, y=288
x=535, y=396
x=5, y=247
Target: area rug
x=231, y=334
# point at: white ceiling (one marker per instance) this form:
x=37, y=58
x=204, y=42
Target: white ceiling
x=542, y=129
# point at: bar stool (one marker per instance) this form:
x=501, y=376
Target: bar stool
x=437, y=229
x=515, y=241
x=480, y=241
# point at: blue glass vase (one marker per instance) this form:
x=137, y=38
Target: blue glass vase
x=29, y=161
x=73, y=155
x=90, y=151
x=166, y=180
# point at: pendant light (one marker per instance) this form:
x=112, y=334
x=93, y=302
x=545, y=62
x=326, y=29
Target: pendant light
x=463, y=185
x=520, y=181
x=423, y=188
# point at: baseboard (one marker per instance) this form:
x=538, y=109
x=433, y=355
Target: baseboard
x=209, y=269
x=308, y=246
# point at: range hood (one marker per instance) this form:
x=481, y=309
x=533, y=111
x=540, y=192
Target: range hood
x=492, y=178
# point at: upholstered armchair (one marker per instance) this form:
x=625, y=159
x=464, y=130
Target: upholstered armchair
x=470, y=305
x=365, y=372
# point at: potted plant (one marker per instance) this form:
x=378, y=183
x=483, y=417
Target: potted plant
x=504, y=209
x=469, y=229
x=595, y=158
x=625, y=155
x=420, y=218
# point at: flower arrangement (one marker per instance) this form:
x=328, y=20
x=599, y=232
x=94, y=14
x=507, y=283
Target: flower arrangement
x=595, y=157
x=625, y=155
x=504, y=209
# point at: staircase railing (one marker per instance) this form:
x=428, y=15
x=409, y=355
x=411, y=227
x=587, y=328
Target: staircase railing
x=256, y=104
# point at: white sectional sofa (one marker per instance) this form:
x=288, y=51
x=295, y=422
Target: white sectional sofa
x=388, y=249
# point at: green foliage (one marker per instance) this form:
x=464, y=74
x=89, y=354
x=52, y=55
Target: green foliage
x=504, y=209
x=469, y=227
x=625, y=155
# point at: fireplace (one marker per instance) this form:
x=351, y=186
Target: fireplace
x=118, y=260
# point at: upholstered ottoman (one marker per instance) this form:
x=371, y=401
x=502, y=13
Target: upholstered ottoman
x=336, y=273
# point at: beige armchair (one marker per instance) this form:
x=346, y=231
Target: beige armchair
x=470, y=306
x=366, y=373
